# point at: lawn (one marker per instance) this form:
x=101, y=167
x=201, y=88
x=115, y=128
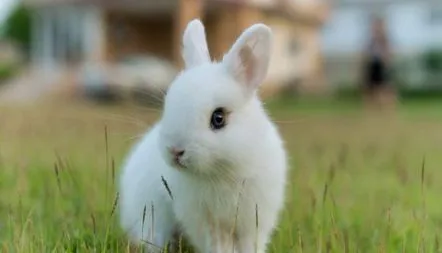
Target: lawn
x=359, y=182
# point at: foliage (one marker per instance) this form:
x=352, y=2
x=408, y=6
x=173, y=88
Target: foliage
x=432, y=65
x=17, y=27
x=7, y=71
x=348, y=92
x=432, y=60
x=424, y=92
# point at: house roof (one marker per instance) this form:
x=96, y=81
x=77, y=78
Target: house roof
x=312, y=11
x=133, y=6
x=377, y=2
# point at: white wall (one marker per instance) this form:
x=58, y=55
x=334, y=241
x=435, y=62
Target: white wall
x=345, y=32
x=409, y=27
x=436, y=34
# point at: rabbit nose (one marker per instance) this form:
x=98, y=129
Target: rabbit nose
x=177, y=153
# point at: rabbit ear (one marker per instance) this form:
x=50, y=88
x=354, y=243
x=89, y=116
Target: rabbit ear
x=195, y=50
x=249, y=57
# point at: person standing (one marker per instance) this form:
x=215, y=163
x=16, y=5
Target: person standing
x=377, y=61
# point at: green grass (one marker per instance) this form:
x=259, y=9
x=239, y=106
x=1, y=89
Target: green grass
x=360, y=182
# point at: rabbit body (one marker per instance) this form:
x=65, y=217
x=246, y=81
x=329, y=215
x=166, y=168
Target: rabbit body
x=145, y=207
x=214, y=166
x=218, y=213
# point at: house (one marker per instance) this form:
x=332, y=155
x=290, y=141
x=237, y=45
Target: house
x=413, y=27
x=74, y=32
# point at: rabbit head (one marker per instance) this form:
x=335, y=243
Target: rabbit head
x=213, y=119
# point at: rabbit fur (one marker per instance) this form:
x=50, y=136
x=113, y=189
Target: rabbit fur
x=229, y=192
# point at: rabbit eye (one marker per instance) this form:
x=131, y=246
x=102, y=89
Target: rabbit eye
x=218, y=119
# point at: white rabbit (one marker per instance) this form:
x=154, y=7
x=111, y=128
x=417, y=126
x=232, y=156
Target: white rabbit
x=222, y=158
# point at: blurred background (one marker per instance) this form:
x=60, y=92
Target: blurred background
x=128, y=44
x=117, y=46
x=355, y=86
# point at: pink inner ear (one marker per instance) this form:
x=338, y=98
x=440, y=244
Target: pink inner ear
x=248, y=63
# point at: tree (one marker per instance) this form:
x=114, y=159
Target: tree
x=17, y=27
x=432, y=63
